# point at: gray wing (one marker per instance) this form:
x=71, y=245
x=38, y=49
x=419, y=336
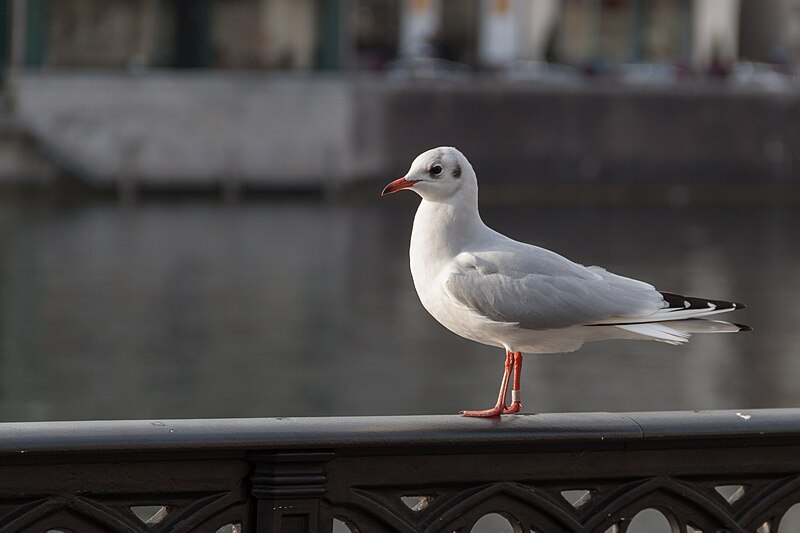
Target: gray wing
x=539, y=289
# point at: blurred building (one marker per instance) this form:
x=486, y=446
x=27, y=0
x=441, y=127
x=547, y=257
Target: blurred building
x=99, y=90
x=369, y=34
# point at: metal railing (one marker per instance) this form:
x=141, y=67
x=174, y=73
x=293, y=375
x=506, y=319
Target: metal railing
x=704, y=471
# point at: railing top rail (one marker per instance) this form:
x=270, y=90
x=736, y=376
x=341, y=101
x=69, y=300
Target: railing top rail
x=521, y=432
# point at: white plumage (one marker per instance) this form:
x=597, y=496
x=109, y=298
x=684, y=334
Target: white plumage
x=491, y=289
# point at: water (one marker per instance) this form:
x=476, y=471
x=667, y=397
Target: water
x=301, y=308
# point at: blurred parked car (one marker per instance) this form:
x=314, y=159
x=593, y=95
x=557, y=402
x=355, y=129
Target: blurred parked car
x=427, y=68
x=648, y=73
x=765, y=76
x=542, y=71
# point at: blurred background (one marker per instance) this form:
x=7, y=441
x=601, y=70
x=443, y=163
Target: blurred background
x=190, y=223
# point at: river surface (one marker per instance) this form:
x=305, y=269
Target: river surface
x=303, y=307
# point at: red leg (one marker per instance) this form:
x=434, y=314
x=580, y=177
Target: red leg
x=500, y=407
x=516, y=389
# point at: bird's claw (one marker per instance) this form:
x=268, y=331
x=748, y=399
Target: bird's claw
x=494, y=412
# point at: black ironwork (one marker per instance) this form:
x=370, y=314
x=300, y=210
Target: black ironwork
x=705, y=471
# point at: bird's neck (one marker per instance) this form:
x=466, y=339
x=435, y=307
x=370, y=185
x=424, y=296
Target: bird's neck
x=443, y=228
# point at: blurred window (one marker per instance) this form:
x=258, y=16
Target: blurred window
x=457, y=38
x=376, y=29
x=274, y=34
x=102, y=33
x=235, y=34
x=618, y=31
x=179, y=33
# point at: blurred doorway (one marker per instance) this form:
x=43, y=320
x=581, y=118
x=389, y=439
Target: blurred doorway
x=192, y=33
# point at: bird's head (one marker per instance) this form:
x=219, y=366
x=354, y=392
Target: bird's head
x=437, y=175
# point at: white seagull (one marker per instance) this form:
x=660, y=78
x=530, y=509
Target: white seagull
x=491, y=289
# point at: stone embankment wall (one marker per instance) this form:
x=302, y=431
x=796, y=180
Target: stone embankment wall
x=172, y=130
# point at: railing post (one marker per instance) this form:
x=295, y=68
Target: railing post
x=288, y=488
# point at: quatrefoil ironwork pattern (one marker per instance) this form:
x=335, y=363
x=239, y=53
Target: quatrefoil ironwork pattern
x=80, y=514
x=689, y=504
x=128, y=497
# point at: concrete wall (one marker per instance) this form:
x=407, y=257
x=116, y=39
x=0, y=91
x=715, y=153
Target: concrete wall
x=616, y=134
x=201, y=129
x=192, y=129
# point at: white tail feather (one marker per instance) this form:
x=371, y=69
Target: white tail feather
x=666, y=315
x=678, y=331
x=705, y=326
x=658, y=331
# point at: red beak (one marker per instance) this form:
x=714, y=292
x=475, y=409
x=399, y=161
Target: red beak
x=398, y=185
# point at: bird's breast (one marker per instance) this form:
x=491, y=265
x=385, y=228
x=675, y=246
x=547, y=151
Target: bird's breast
x=430, y=281
x=436, y=240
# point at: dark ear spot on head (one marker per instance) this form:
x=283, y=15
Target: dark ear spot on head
x=457, y=171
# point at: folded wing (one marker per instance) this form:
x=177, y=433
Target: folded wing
x=539, y=289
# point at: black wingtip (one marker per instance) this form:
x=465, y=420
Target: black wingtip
x=679, y=301
x=743, y=327
x=673, y=299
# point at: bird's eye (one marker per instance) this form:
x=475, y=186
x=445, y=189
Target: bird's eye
x=436, y=170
